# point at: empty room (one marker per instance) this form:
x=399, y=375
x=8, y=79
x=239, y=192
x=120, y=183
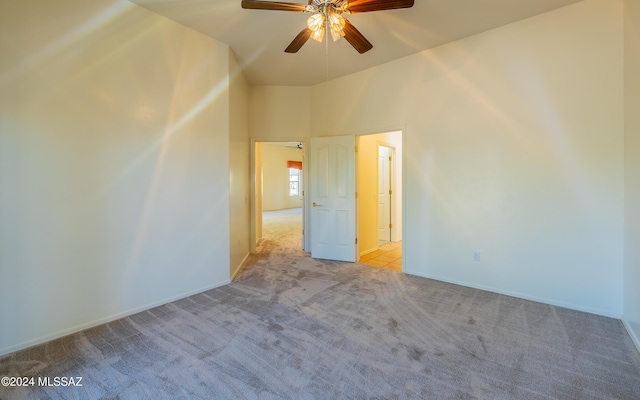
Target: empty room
x=133, y=259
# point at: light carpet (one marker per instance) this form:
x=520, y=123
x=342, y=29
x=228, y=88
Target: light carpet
x=291, y=327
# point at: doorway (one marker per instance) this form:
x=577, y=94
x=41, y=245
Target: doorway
x=369, y=251
x=380, y=200
x=278, y=177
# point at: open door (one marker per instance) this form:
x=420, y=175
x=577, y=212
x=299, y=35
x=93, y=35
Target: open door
x=332, y=193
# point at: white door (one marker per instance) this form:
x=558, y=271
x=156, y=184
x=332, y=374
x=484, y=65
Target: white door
x=332, y=195
x=384, y=194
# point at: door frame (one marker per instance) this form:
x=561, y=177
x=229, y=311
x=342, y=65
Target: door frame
x=252, y=190
x=396, y=234
x=305, y=170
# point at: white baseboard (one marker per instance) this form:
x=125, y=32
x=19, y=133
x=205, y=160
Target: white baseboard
x=632, y=333
x=521, y=296
x=100, y=321
x=364, y=253
x=240, y=267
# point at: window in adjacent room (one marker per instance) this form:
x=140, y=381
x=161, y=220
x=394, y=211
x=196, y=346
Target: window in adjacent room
x=294, y=182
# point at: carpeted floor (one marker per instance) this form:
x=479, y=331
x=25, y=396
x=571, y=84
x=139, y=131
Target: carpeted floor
x=291, y=327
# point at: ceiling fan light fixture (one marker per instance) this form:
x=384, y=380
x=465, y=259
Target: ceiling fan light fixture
x=318, y=35
x=315, y=23
x=334, y=21
x=336, y=25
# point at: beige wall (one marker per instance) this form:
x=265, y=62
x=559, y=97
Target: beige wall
x=513, y=148
x=279, y=112
x=275, y=192
x=367, y=172
x=239, y=151
x=631, y=315
x=114, y=165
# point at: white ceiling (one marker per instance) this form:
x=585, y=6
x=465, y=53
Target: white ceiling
x=259, y=37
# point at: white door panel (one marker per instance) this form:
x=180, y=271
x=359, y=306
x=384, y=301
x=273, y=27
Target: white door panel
x=332, y=189
x=384, y=198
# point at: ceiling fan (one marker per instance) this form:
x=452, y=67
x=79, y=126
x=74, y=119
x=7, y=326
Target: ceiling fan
x=295, y=145
x=328, y=15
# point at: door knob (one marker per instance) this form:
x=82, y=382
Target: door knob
x=314, y=204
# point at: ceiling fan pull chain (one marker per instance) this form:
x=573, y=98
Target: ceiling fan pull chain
x=326, y=40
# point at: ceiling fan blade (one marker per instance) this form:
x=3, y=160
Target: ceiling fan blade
x=360, y=6
x=273, y=5
x=355, y=38
x=299, y=40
